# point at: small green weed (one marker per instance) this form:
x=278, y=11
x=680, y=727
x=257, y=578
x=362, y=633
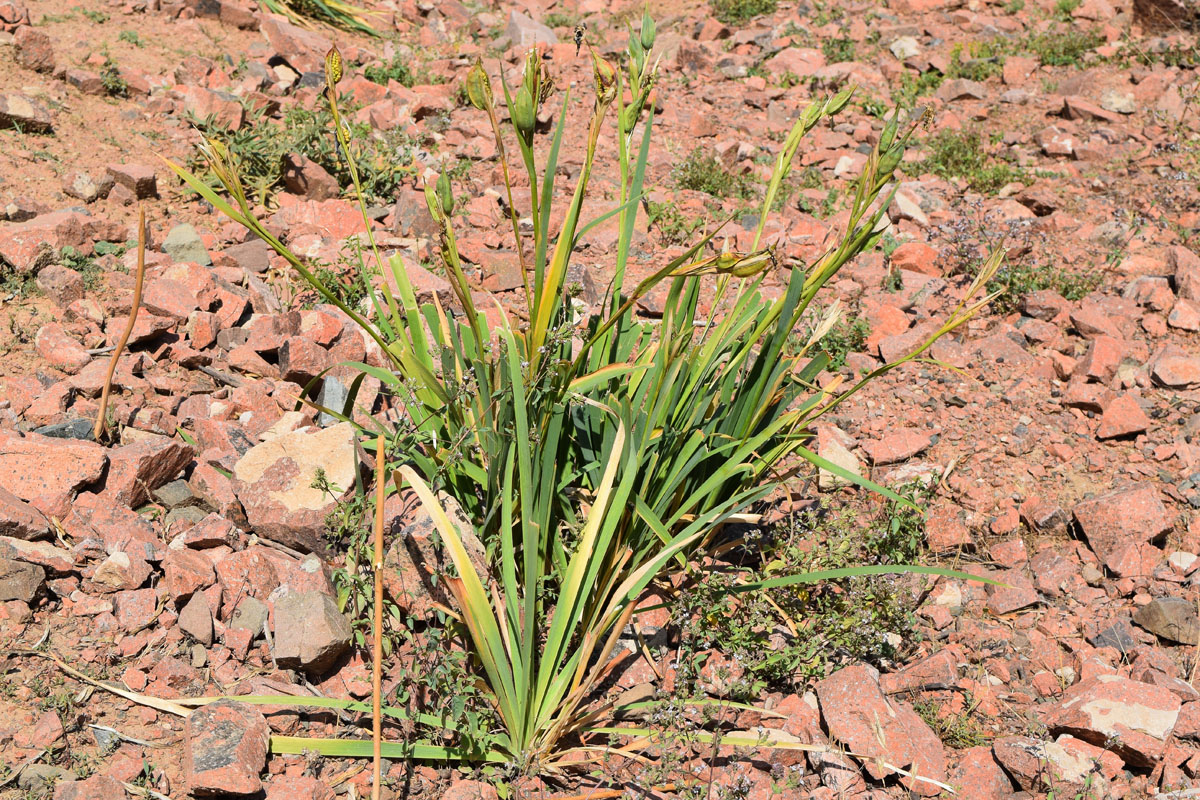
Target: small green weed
x=1063, y=48
x=383, y=159
x=1064, y=8
x=734, y=12
x=86, y=266
x=400, y=70
x=1014, y=281
x=132, y=37
x=913, y=87
x=560, y=19
x=959, y=154
x=846, y=337
x=839, y=49
x=977, y=61
x=98, y=17
x=703, y=172
x=835, y=622
x=114, y=84
x=673, y=225
x=1013, y=6
x=957, y=731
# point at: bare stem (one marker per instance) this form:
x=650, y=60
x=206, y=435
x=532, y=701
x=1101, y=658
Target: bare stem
x=98, y=430
x=377, y=655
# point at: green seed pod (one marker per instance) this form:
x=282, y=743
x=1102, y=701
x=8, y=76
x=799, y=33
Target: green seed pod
x=888, y=135
x=479, y=88
x=636, y=52
x=433, y=203
x=606, y=79
x=523, y=115
x=629, y=116
x=839, y=100
x=333, y=66
x=890, y=160
x=533, y=74
x=445, y=194
x=648, y=32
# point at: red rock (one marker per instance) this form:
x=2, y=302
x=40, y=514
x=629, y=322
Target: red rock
x=19, y=111
x=61, y=350
x=266, y=333
x=137, y=178
x=470, y=790
x=146, y=328
x=1044, y=304
x=938, y=671
x=13, y=15
x=54, y=559
x=858, y=716
x=945, y=530
x=137, y=469
x=34, y=49
x=97, y=787
x=19, y=519
x=289, y=787
x=334, y=219
x=917, y=257
x=195, y=619
x=301, y=360
x=226, y=749
x=1076, y=107
x=897, y=447
x=310, y=632
x=20, y=581
x=1102, y=358
x=979, y=777
x=185, y=572
x=303, y=50
x=1091, y=322
x=41, y=470
x=1184, y=316
x=222, y=109
x=169, y=298
x=135, y=608
x=1017, y=594
x=45, y=732
x=274, y=480
x=212, y=531
x=802, y=62
x=1132, y=719
x=307, y=178
x=1123, y=417
x=1131, y=515
x=1177, y=371
x=247, y=572
x=62, y=285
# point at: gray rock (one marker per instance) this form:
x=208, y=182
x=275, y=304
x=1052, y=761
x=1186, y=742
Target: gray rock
x=254, y=255
x=69, y=429
x=196, y=619
x=1172, y=618
x=333, y=396
x=39, y=778
x=250, y=615
x=185, y=516
x=175, y=494
x=310, y=632
x=183, y=243
x=1118, y=102
x=20, y=580
x=24, y=114
x=524, y=31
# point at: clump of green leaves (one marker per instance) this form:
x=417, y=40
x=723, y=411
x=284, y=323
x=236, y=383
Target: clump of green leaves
x=960, y=154
x=400, y=70
x=98, y=17
x=845, y=337
x=957, y=731
x=1013, y=281
x=915, y=86
x=131, y=36
x=673, y=225
x=383, y=159
x=838, y=49
x=702, y=171
x=110, y=76
x=735, y=12
x=977, y=61
x=787, y=636
x=1061, y=48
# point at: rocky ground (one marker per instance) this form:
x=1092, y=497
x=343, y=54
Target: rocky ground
x=188, y=559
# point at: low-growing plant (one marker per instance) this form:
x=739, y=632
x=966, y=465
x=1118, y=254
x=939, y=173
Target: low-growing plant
x=591, y=455
x=400, y=69
x=338, y=13
x=110, y=76
x=735, y=12
x=131, y=36
x=383, y=163
x=1062, y=48
x=702, y=171
x=960, y=154
x=838, y=49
